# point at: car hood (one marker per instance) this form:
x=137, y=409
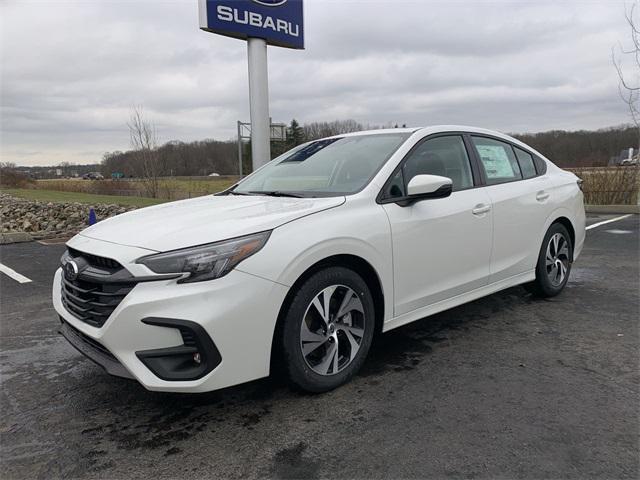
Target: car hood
x=201, y=220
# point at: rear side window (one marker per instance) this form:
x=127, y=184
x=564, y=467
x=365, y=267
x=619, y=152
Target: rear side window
x=541, y=165
x=498, y=160
x=525, y=160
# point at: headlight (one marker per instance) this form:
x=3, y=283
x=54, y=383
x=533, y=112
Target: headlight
x=206, y=262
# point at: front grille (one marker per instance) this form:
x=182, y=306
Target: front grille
x=97, y=290
x=95, y=260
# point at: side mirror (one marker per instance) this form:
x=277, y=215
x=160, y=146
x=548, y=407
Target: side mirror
x=428, y=186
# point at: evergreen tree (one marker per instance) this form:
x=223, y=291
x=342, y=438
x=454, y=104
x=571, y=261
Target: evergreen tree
x=295, y=134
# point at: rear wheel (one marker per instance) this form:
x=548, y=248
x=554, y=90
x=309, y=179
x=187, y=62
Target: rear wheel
x=327, y=330
x=554, y=262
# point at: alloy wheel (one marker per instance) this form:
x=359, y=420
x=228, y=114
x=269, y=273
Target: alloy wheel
x=332, y=330
x=557, y=259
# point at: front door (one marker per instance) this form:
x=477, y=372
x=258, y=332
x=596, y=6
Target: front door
x=441, y=247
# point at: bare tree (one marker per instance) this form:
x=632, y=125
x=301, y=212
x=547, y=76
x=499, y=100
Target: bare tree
x=629, y=78
x=10, y=177
x=143, y=141
x=314, y=130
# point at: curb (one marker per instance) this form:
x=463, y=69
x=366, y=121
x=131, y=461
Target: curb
x=15, y=237
x=21, y=237
x=612, y=208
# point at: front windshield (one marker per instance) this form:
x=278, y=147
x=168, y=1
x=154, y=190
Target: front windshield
x=334, y=166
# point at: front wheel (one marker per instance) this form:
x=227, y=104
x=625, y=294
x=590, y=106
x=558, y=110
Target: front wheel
x=554, y=262
x=327, y=330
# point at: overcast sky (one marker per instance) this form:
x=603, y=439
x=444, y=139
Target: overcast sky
x=71, y=70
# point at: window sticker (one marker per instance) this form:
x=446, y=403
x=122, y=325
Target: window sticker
x=496, y=162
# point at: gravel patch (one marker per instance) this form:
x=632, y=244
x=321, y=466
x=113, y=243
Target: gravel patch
x=42, y=220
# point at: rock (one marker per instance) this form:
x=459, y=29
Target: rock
x=44, y=219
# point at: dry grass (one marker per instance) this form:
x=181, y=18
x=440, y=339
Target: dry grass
x=610, y=185
x=169, y=188
x=89, y=198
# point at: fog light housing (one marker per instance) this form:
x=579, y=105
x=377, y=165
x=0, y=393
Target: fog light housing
x=194, y=359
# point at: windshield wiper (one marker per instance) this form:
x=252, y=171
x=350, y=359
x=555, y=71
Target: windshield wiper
x=232, y=192
x=276, y=193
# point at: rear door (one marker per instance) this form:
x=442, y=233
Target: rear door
x=441, y=247
x=521, y=204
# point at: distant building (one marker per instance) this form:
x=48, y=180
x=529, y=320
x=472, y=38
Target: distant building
x=626, y=154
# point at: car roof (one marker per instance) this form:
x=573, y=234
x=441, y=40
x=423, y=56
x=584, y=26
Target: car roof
x=425, y=129
x=441, y=129
x=378, y=131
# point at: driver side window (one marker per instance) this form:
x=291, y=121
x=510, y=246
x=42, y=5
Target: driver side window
x=445, y=156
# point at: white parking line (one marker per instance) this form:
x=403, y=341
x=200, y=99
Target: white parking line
x=13, y=274
x=608, y=221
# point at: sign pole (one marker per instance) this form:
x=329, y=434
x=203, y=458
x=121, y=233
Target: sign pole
x=240, y=148
x=259, y=102
x=260, y=22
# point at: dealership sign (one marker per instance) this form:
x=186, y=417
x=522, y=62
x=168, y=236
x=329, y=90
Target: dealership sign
x=260, y=23
x=279, y=22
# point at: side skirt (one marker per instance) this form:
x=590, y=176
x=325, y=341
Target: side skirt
x=458, y=300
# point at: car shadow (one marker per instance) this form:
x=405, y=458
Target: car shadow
x=398, y=350
x=123, y=412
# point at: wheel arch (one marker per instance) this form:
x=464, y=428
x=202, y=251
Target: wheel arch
x=354, y=262
x=563, y=216
x=565, y=222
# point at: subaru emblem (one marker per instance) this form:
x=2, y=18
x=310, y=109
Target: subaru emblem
x=70, y=270
x=270, y=3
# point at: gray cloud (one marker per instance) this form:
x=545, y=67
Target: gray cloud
x=72, y=70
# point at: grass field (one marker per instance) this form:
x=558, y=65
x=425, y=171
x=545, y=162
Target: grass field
x=168, y=188
x=56, y=196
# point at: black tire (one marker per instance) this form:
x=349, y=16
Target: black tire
x=293, y=363
x=543, y=285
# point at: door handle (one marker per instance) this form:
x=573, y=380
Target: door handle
x=481, y=209
x=541, y=196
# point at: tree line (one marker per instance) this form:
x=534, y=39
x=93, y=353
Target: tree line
x=205, y=157
x=177, y=158
x=580, y=148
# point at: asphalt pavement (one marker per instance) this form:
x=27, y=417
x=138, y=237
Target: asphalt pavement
x=509, y=386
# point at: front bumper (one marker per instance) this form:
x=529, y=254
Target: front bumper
x=238, y=312
x=93, y=350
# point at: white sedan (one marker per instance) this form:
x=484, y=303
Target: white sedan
x=299, y=265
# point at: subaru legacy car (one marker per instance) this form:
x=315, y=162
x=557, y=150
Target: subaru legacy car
x=295, y=269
